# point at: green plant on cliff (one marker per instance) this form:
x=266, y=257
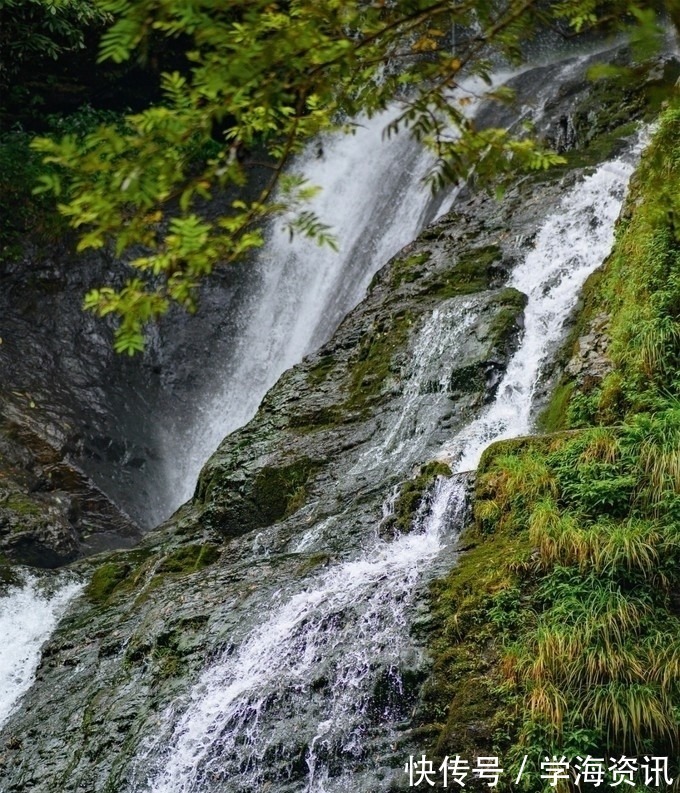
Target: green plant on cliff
x=568, y=596
x=263, y=78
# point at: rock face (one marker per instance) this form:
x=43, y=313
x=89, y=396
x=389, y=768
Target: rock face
x=340, y=446
x=590, y=364
x=51, y=513
x=329, y=440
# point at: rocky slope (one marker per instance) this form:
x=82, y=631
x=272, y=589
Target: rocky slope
x=341, y=449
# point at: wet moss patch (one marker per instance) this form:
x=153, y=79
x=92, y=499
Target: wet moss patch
x=105, y=580
x=373, y=365
x=473, y=272
x=21, y=504
x=189, y=559
x=123, y=572
x=280, y=491
x=409, y=269
x=412, y=496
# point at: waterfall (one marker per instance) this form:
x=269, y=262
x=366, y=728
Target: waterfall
x=301, y=690
x=28, y=615
x=375, y=199
x=570, y=245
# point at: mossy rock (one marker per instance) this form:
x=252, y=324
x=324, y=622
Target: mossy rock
x=507, y=322
x=409, y=269
x=412, y=494
x=321, y=369
x=189, y=559
x=474, y=271
x=121, y=572
x=279, y=491
x=105, y=580
x=372, y=367
x=22, y=505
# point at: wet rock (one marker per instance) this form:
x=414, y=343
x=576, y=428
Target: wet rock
x=50, y=512
x=309, y=481
x=591, y=363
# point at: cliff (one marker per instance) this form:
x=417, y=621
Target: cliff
x=260, y=578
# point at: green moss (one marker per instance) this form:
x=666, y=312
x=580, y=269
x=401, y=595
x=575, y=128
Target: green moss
x=473, y=272
x=125, y=571
x=554, y=416
x=189, y=559
x=320, y=370
x=373, y=365
x=409, y=269
x=105, y=580
x=280, y=491
x=413, y=492
x=506, y=324
x=464, y=701
x=322, y=418
x=21, y=504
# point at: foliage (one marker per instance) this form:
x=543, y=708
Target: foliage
x=21, y=168
x=264, y=77
x=33, y=30
x=575, y=604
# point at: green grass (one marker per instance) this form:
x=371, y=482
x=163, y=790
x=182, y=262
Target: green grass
x=563, y=609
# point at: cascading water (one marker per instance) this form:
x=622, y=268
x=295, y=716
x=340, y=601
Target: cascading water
x=570, y=245
x=375, y=198
x=297, y=696
x=28, y=615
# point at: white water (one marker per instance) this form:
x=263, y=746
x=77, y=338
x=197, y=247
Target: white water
x=27, y=618
x=375, y=199
x=570, y=245
x=358, y=606
x=350, y=621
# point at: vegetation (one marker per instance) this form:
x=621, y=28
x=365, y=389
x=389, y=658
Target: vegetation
x=565, y=609
x=414, y=494
x=246, y=86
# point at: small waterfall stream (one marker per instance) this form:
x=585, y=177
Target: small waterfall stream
x=297, y=696
x=28, y=615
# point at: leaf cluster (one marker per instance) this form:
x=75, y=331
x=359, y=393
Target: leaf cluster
x=264, y=78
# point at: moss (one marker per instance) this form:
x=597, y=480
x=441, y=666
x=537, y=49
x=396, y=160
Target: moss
x=412, y=494
x=469, y=379
x=105, y=580
x=506, y=324
x=280, y=491
x=473, y=272
x=373, y=365
x=189, y=559
x=21, y=504
x=123, y=572
x=463, y=703
x=554, y=416
x=409, y=269
x=320, y=370
x=322, y=418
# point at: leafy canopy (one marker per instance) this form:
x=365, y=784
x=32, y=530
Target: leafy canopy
x=33, y=30
x=263, y=77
